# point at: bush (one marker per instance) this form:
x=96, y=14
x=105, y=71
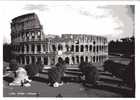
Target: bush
x=13, y=65
x=40, y=65
x=33, y=69
x=129, y=75
x=54, y=75
x=90, y=72
x=116, y=69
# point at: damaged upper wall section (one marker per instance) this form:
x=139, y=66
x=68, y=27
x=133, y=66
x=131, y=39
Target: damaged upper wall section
x=26, y=27
x=25, y=22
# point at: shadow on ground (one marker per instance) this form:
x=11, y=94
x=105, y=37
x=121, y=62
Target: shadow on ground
x=40, y=79
x=124, y=92
x=8, y=79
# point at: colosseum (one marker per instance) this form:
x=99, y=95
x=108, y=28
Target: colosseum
x=30, y=44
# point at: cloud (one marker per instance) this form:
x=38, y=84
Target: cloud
x=94, y=12
x=36, y=7
x=124, y=17
x=113, y=21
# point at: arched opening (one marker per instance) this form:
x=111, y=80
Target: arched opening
x=86, y=46
x=38, y=59
x=33, y=36
x=73, y=60
x=100, y=48
x=23, y=61
x=60, y=47
x=38, y=48
x=77, y=59
x=72, y=48
x=86, y=58
x=82, y=59
x=67, y=47
x=53, y=61
x=27, y=48
x=96, y=58
x=19, y=60
x=33, y=48
x=53, y=48
x=67, y=60
x=90, y=48
x=77, y=48
x=97, y=48
x=22, y=48
x=27, y=59
x=33, y=59
x=91, y=59
x=82, y=48
x=60, y=59
x=45, y=60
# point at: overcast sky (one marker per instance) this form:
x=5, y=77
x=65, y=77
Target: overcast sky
x=113, y=21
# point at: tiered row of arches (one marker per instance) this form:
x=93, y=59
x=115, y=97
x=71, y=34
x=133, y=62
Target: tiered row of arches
x=53, y=60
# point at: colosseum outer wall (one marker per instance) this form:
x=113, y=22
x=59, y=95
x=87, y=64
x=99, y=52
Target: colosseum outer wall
x=31, y=45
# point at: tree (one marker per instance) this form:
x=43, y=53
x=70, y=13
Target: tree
x=33, y=69
x=125, y=46
x=90, y=72
x=116, y=69
x=129, y=74
x=13, y=65
x=7, y=52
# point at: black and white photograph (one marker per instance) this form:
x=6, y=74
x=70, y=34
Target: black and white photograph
x=68, y=49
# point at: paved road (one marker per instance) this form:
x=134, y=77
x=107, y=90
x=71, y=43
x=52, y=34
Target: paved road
x=69, y=89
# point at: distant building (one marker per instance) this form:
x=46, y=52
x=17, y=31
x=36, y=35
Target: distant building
x=30, y=44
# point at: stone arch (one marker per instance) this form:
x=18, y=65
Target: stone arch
x=33, y=59
x=94, y=49
x=33, y=48
x=23, y=61
x=45, y=60
x=86, y=46
x=82, y=59
x=60, y=47
x=67, y=60
x=73, y=60
x=96, y=58
x=27, y=59
x=19, y=60
x=67, y=47
x=38, y=59
x=27, y=46
x=38, y=48
x=86, y=59
x=77, y=59
x=99, y=59
x=91, y=59
x=53, y=47
x=53, y=60
x=60, y=59
x=77, y=48
x=72, y=48
x=81, y=48
x=97, y=48
x=90, y=48
x=22, y=48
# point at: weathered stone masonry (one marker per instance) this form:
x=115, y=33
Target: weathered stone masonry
x=30, y=44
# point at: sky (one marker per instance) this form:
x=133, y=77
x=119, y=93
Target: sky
x=112, y=21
